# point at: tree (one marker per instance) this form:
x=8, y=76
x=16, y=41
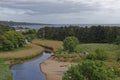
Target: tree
x=89, y=70
x=7, y=44
x=70, y=43
x=11, y=40
x=117, y=41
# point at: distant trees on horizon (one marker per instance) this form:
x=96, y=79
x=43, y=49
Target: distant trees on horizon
x=93, y=34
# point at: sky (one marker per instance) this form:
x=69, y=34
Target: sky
x=61, y=11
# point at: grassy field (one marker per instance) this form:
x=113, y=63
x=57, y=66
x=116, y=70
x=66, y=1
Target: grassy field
x=50, y=43
x=110, y=49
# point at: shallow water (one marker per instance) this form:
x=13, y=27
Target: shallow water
x=29, y=70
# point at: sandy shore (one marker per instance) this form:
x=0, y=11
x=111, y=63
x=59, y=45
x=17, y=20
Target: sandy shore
x=53, y=69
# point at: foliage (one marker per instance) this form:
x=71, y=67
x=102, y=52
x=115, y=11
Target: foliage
x=11, y=40
x=117, y=40
x=4, y=28
x=5, y=73
x=30, y=34
x=93, y=34
x=118, y=56
x=89, y=70
x=70, y=43
x=91, y=56
x=98, y=55
x=117, y=71
x=7, y=45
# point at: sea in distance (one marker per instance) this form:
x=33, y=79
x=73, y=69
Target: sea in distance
x=63, y=25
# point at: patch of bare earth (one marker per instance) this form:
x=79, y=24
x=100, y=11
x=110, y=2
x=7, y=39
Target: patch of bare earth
x=53, y=69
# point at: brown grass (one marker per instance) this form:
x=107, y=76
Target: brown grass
x=50, y=43
x=34, y=50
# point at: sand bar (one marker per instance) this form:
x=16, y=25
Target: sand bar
x=53, y=69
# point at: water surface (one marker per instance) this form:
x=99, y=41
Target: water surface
x=29, y=70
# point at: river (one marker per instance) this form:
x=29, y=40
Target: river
x=30, y=70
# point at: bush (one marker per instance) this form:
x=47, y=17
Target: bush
x=70, y=43
x=117, y=41
x=8, y=45
x=12, y=39
x=117, y=72
x=100, y=54
x=91, y=56
x=89, y=70
x=118, y=57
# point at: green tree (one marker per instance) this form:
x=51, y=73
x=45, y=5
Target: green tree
x=117, y=41
x=89, y=70
x=70, y=43
x=7, y=44
x=12, y=38
x=20, y=39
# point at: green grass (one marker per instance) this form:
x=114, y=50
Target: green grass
x=92, y=47
x=110, y=49
x=5, y=73
x=16, y=49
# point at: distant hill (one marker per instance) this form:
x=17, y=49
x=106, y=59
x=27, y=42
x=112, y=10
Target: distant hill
x=12, y=23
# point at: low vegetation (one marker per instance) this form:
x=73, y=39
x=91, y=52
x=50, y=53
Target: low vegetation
x=5, y=73
x=90, y=70
x=70, y=43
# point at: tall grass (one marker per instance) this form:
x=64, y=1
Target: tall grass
x=5, y=73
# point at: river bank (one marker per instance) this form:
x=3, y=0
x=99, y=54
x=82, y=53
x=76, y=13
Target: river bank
x=19, y=56
x=54, y=69
x=7, y=59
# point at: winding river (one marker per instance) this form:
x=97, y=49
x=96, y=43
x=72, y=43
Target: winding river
x=30, y=70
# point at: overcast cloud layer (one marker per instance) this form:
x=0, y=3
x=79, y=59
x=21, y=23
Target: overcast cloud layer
x=61, y=11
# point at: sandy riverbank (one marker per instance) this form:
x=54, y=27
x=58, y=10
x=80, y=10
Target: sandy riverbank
x=53, y=69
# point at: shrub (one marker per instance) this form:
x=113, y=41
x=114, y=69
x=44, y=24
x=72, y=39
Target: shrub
x=89, y=70
x=117, y=72
x=100, y=54
x=8, y=45
x=91, y=56
x=118, y=57
x=11, y=39
x=70, y=43
x=117, y=41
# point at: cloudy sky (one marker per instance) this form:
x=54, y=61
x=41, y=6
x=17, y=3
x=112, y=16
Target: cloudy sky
x=61, y=11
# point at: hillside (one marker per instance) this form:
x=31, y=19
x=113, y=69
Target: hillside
x=12, y=23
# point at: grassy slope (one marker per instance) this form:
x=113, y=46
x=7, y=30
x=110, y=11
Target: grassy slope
x=5, y=73
x=30, y=50
x=110, y=49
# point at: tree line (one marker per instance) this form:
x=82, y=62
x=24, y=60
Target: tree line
x=93, y=34
x=9, y=38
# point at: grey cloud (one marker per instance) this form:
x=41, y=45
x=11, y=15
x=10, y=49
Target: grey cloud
x=61, y=11
x=50, y=7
